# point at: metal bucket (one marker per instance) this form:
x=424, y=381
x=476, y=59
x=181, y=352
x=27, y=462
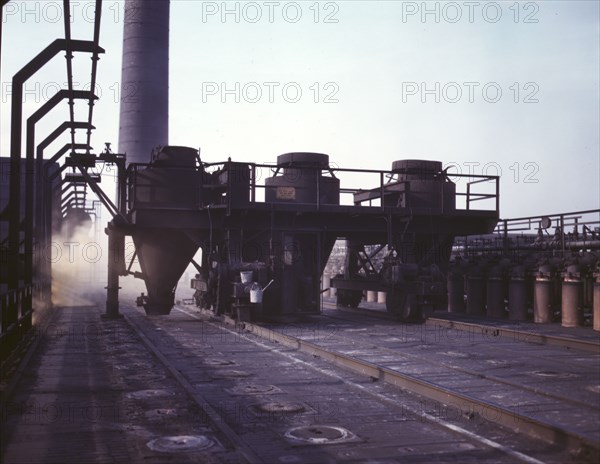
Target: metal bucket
x=256, y=295
x=246, y=276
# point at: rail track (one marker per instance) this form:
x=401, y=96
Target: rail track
x=310, y=358
x=531, y=406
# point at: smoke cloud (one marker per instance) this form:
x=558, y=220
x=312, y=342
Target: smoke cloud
x=78, y=258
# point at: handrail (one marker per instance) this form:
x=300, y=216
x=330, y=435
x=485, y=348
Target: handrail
x=387, y=180
x=12, y=301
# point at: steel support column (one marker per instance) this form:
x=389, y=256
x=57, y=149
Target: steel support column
x=116, y=264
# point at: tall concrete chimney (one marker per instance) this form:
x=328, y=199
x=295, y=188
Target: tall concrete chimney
x=144, y=111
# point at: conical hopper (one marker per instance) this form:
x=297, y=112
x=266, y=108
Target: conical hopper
x=163, y=255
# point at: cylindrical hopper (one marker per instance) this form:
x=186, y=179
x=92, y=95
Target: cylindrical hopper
x=171, y=184
x=163, y=255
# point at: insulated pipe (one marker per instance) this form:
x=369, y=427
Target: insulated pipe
x=543, y=302
x=456, y=291
x=325, y=283
x=517, y=294
x=144, y=111
x=495, y=292
x=572, y=293
x=476, y=292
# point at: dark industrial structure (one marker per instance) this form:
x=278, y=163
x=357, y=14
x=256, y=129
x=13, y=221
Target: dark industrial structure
x=265, y=244
x=544, y=268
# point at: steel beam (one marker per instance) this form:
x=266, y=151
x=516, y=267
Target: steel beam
x=14, y=206
x=29, y=173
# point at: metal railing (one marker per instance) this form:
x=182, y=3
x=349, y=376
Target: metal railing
x=250, y=177
x=15, y=318
x=577, y=228
x=554, y=233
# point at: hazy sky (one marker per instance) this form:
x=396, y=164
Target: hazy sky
x=507, y=87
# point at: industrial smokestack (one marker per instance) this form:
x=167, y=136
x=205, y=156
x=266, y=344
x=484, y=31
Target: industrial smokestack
x=144, y=112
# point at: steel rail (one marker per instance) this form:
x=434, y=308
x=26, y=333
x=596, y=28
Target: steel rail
x=521, y=335
x=516, y=334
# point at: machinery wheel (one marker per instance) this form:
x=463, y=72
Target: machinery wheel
x=404, y=306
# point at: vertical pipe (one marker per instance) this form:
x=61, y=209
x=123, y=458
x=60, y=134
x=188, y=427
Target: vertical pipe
x=495, y=292
x=122, y=176
x=144, y=111
x=572, y=293
x=456, y=291
x=572, y=312
x=505, y=238
x=318, y=180
x=325, y=283
x=596, y=307
x=476, y=292
x=497, y=194
x=517, y=295
x=29, y=205
x=543, y=306
x=382, y=190
x=116, y=252
x=14, y=205
x=562, y=233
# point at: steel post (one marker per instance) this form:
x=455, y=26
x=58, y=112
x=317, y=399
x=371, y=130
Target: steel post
x=116, y=246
